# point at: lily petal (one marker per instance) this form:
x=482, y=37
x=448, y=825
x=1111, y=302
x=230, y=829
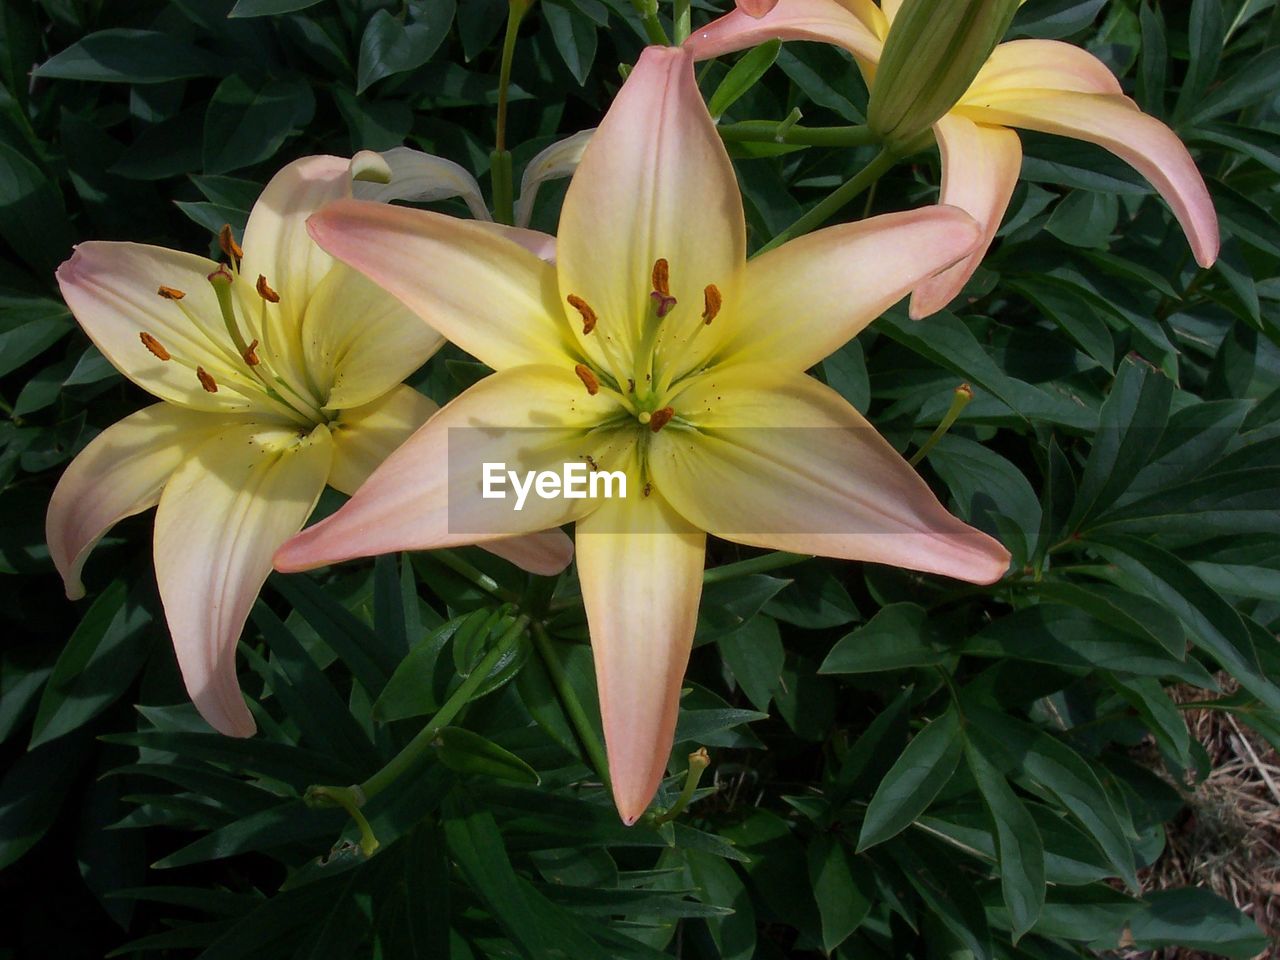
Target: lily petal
x=556, y=161
x=858, y=26
x=640, y=565
x=419, y=176
x=487, y=294
x=120, y=473
x=654, y=183
x=365, y=436
x=1116, y=124
x=810, y=476
x=112, y=290
x=222, y=514
x=428, y=493
x=1021, y=65
x=980, y=168
x=802, y=301
x=359, y=341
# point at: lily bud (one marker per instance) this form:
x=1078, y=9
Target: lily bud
x=934, y=50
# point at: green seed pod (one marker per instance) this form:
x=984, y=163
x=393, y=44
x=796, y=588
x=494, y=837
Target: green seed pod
x=934, y=50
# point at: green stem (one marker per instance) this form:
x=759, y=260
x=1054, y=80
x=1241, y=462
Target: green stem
x=648, y=10
x=478, y=577
x=963, y=394
x=572, y=705
x=773, y=131
x=407, y=758
x=762, y=564
x=849, y=191
x=682, y=21
x=500, y=160
x=698, y=763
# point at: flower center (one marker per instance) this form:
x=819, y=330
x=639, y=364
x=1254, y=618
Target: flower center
x=257, y=381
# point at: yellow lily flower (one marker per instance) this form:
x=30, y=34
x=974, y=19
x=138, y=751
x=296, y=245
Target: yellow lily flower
x=277, y=373
x=1043, y=85
x=654, y=349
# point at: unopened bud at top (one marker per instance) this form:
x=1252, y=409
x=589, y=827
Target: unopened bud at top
x=934, y=50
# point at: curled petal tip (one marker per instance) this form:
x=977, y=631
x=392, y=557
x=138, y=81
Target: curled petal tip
x=756, y=8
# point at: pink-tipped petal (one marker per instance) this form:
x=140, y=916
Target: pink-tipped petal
x=640, y=565
x=113, y=290
x=802, y=301
x=487, y=294
x=545, y=553
x=120, y=473
x=980, y=168
x=756, y=8
x=1116, y=124
x=810, y=475
x=1042, y=65
x=654, y=183
x=857, y=27
x=223, y=513
x=429, y=493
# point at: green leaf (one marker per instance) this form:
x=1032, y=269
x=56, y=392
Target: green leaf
x=266, y=8
x=470, y=753
x=33, y=221
x=841, y=904
x=96, y=666
x=744, y=75
x=1195, y=918
x=717, y=883
x=1208, y=34
x=32, y=791
x=416, y=688
x=755, y=657
x=899, y=637
x=1018, y=845
x=574, y=36
x=121, y=55
x=912, y=783
x=814, y=600
x=390, y=45
x=246, y=124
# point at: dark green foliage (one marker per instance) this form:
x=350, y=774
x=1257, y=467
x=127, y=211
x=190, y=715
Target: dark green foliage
x=903, y=766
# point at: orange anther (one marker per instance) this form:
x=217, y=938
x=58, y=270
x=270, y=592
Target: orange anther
x=210, y=385
x=712, y=301
x=662, y=277
x=265, y=291
x=251, y=354
x=660, y=418
x=170, y=293
x=227, y=241
x=588, y=378
x=154, y=345
x=589, y=318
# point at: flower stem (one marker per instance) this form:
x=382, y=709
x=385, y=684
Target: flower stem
x=478, y=577
x=699, y=760
x=648, y=10
x=682, y=21
x=778, y=131
x=850, y=190
x=573, y=709
x=963, y=394
x=351, y=798
x=500, y=159
x=762, y=564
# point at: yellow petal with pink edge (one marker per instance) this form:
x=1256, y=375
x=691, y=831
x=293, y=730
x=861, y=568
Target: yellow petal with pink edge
x=221, y=516
x=429, y=493
x=487, y=294
x=1116, y=124
x=804, y=300
x=640, y=565
x=364, y=436
x=856, y=25
x=980, y=168
x=794, y=467
x=114, y=290
x=1022, y=65
x=654, y=183
x=120, y=473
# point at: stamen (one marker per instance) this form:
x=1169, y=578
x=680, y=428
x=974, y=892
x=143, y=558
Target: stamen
x=227, y=241
x=206, y=380
x=712, y=302
x=589, y=318
x=648, y=488
x=265, y=291
x=170, y=293
x=661, y=418
x=251, y=354
x=588, y=378
x=154, y=345
x=662, y=277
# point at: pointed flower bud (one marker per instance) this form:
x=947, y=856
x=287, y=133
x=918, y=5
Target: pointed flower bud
x=934, y=50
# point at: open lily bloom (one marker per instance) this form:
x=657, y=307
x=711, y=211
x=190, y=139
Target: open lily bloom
x=653, y=349
x=276, y=375
x=1042, y=85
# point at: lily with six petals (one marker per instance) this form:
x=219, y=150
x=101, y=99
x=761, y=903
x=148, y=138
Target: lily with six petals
x=1042, y=85
x=277, y=374
x=652, y=347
